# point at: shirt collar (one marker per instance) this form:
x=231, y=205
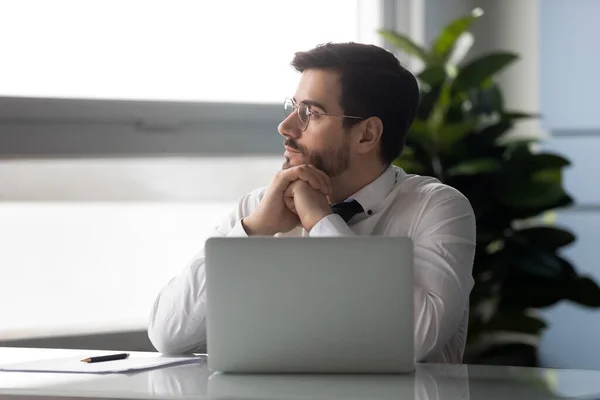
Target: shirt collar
x=375, y=192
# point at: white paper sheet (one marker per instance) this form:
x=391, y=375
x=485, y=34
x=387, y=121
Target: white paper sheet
x=75, y=365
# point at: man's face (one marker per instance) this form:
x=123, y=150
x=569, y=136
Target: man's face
x=324, y=143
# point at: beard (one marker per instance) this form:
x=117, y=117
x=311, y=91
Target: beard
x=333, y=161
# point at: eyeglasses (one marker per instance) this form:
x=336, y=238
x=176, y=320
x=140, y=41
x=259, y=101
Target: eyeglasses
x=304, y=112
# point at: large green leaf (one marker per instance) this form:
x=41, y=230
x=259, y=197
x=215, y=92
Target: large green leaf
x=551, y=175
x=531, y=195
x=486, y=99
x=427, y=99
x=529, y=212
x=585, y=292
x=512, y=115
x=440, y=107
x=459, y=51
x=538, y=263
x=522, y=293
x=481, y=69
x=529, y=180
x=514, y=143
x=486, y=137
x=546, y=237
x=515, y=259
x=420, y=129
x=404, y=43
x=525, y=167
x=432, y=75
x=515, y=321
x=548, y=161
x=539, y=293
x=520, y=155
x=445, y=41
x=450, y=133
x=421, y=138
x=473, y=167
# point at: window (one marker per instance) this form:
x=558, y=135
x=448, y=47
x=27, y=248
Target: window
x=184, y=50
x=146, y=77
x=128, y=128
x=88, y=243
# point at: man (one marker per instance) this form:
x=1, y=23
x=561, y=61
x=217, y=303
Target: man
x=346, y=124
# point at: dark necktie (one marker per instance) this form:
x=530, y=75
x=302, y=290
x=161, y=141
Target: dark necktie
x=347, y=209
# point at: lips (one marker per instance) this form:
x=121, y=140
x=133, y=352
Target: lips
x=290, y=149
x=291, y=146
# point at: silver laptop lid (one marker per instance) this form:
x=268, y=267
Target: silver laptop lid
x=310, y=304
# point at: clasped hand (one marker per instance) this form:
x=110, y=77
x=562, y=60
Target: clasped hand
x=296, y=196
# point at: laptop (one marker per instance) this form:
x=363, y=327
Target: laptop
x=310, y=305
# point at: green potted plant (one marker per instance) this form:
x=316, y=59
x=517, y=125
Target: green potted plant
x=460, y=137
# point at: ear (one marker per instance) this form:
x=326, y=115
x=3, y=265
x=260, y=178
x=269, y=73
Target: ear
x=368, y=135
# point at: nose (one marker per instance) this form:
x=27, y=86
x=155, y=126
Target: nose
x=290, y=127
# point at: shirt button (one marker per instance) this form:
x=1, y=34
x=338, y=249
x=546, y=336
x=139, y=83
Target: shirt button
x=370, y=212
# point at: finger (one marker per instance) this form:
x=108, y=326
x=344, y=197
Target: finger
x=289, y=192
x=289, y=202
x=325, y=179
x=319, y=181
x=285, y=177
x=311, y=177
x=325, y=187
x=291, y=206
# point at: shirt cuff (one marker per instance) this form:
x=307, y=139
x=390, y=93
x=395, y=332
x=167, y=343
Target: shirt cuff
x=237, y=230
x=331, y=225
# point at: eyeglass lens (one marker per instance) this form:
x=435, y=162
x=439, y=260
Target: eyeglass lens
x=303, y=111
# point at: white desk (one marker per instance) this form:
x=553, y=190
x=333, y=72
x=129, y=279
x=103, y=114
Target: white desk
x=430, y=381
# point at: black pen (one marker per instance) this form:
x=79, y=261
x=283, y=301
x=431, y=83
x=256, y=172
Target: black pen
x=112, y=357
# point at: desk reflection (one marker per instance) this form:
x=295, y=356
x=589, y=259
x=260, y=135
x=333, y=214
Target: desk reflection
x=442, y=382
x=181, y=380
x=429, y=382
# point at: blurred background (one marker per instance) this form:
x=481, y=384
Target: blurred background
x=129, y=128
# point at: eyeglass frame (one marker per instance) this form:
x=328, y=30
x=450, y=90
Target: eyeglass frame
x=296, y=108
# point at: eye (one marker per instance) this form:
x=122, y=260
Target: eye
x=312, y=113
x=306, y=111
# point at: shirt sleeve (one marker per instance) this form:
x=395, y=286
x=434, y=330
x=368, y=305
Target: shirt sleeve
x=331, y=225
x=178, y=316
x=444, y=248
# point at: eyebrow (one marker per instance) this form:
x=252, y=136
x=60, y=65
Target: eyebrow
x=312, y=103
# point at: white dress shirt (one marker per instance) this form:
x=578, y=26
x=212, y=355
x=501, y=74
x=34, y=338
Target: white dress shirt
x=438, y=218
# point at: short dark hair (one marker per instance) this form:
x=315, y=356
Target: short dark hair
x=374, y=84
